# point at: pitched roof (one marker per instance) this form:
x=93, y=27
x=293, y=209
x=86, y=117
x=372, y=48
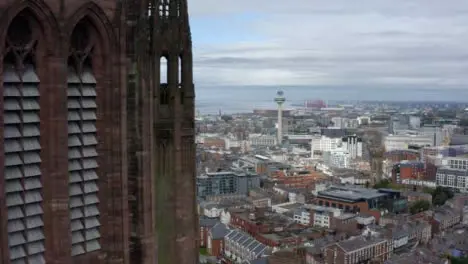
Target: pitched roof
x=208, y=222
x=219, y=231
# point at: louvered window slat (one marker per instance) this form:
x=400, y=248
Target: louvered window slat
x=11, y=132
x=82, y=157
x=23, y=186
x=34, y=222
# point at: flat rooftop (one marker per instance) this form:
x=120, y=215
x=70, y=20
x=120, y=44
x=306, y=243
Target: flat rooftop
x=359, y=243
x=350, y=193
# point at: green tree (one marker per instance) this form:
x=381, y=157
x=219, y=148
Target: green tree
x=420, y=206
x=462, y=260
x=439, y=199
x=382, y=184
x=440, y=195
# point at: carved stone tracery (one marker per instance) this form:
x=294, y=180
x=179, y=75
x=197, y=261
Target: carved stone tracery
x=81, y=48
x=21, y=44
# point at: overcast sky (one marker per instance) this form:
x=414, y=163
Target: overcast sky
x=411, y=43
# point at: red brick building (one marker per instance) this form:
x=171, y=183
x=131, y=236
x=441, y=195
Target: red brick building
x=216, y=234
x=214, y=142
x=279, y=239
x=401, y=155
x=248, y=222
x=205, y=225
x=408, y=170
x=358, y=250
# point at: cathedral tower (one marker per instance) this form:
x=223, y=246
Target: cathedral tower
x=63, y=165
x=161, y=129
x=96, y=137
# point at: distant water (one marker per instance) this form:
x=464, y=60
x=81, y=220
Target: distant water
x=209, y=100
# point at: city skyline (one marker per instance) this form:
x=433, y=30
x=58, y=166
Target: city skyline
x=414, y=45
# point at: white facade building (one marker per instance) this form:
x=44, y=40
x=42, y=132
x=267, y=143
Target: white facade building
x=321, y=216
x=453, y=173
x=353, y=144
x=399, y=142
x=263, y=140
x=302, y=216
x=324, y=143
x=337, y=158
x=225, y=217
x=414, y=122
x=364, y=120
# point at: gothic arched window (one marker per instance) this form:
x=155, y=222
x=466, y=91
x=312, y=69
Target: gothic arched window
x=23, y=183
x=164, y=88
x=164, y=7
x=82, y=142
x=180, y=79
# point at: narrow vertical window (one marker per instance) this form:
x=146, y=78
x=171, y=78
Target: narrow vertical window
x=82, y=143
x=164, y=8
x=164, y=90
x=180, y=79
x=150, y=9
x=23, y=182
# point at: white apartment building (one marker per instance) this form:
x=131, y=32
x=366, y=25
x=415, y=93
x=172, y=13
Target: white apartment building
x=453, y=173
x=399, y=142
x=337, y=158
x=302, y=216
x=321, y=216
x=323, y=143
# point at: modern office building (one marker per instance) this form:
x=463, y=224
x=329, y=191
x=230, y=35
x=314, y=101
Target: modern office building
x=433, y=131
x=226, y=182
x=91, y=157
x=399, y=142
x=356, y=199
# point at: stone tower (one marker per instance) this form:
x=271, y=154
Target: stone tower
x=96, y=151
x=161, y=131
x=63, y=165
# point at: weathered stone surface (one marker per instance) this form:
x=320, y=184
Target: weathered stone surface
x=54, y=21
x=163, y=129
x=146, y=149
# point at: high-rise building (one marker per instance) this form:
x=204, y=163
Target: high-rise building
x=76, y=137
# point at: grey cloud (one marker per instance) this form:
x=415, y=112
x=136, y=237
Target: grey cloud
x=419, y=43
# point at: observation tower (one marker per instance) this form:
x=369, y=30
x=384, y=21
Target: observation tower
x=280, y=99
